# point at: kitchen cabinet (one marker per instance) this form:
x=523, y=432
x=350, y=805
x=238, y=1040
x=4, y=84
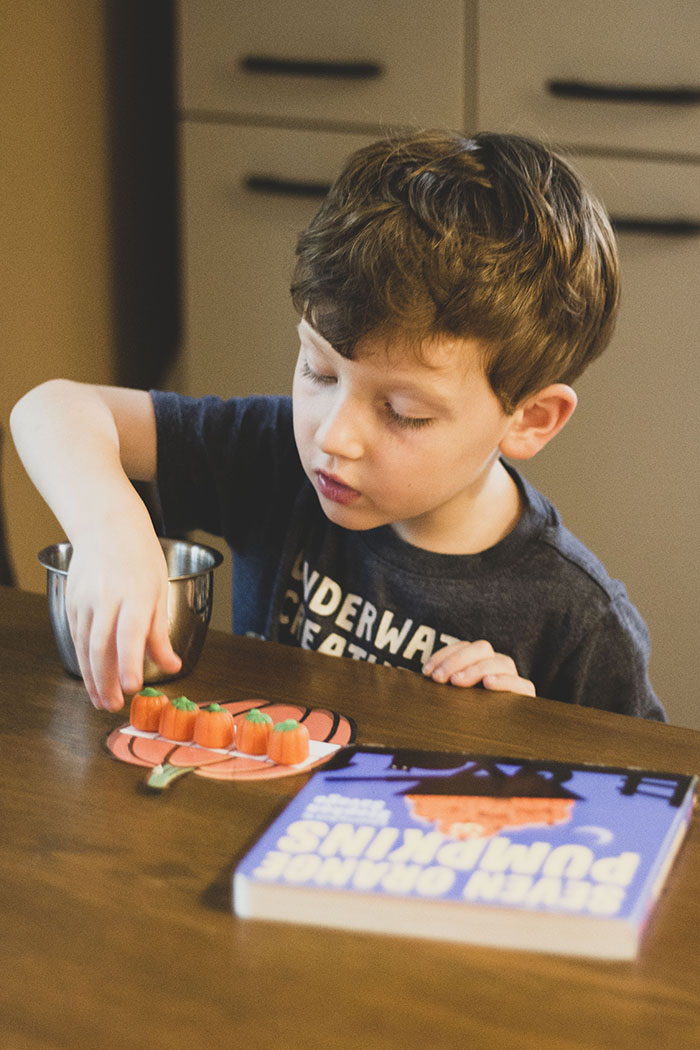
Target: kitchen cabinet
x=594, y=74
x=265, y=122
x=617, y=88
x=624, y=472
x=317, y=62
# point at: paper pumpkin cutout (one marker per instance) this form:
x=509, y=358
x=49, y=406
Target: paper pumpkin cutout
x=327, y=731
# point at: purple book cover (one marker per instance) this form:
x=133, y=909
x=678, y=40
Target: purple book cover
x=498, y=833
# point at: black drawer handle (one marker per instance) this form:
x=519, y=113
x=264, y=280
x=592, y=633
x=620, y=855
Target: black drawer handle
x=582, y=89
x=301, y=67
x=662, y=227
x=310, y=189
x=277, y=187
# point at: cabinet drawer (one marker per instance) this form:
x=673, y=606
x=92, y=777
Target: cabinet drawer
x=359, y=63
x=656, y=197
x=239, y=243
x=592, y=49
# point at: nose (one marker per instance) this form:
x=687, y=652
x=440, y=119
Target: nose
x=339, y=433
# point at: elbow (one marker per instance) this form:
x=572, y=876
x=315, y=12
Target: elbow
x=50, y=389
x=31, y=404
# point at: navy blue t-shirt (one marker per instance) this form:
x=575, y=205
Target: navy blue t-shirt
x=539, y=595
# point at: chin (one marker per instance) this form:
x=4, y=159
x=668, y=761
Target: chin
x=355, y=520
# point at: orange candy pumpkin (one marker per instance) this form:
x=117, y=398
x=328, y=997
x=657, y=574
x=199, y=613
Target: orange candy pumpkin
x=289, y=743
x=178, y=718
x=253, y=733
x=214, y=727
x=146, y=709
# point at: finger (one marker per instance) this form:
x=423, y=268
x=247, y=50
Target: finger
x=104, y=665
x=455, y=658
x=80, y=621
x=81, y=626
x=509, y=684
x=132, y=630
x=89, y=682
x=494, y=665
x=439, y=655
x=159, y=645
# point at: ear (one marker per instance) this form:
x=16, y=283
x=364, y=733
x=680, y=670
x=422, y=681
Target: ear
x=537, y=420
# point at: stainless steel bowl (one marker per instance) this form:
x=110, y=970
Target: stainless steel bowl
x=190, y=593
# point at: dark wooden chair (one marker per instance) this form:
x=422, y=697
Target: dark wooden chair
x=7, y=576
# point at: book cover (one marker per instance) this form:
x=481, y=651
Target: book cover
x=518, y=853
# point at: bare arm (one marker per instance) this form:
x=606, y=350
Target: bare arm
x=80, y=445
x=77, y=441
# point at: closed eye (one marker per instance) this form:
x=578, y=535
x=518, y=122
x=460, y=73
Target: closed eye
x=407, y=422
x=316, y=377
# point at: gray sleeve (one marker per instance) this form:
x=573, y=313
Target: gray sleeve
x=609, y=667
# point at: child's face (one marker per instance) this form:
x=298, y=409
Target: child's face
x=391, y=438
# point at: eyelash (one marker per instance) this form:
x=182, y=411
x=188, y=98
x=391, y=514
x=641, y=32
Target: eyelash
x=405, y=422
x=308, y=373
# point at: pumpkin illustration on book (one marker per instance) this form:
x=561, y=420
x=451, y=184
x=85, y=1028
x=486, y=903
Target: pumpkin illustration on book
x=482, y=800
x=226, y=741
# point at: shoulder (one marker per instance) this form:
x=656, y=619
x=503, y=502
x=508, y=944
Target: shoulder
x=598, y=646
x=257, y=411
x=574, y=595
x=555, y=547
x=218, y=426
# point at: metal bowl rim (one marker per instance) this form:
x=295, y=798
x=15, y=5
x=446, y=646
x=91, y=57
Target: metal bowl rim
x=217, y=557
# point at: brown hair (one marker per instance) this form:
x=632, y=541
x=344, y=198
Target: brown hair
x=492, y=238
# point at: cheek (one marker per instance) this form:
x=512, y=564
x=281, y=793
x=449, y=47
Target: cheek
x=404, y=467
x=299, y=422
x=452, y=460
x=306, y=420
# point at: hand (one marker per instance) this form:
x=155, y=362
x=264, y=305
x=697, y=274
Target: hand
x=467, y=663
x=116, y=602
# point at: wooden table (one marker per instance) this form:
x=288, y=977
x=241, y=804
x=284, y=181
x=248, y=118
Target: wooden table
x=117, y=929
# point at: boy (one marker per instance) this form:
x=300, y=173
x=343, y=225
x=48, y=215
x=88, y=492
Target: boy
x=449, y=291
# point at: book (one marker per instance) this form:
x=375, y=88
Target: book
x=509, y=852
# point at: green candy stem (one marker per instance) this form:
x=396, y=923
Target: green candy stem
x=286, y=726
x=183, y=704
x=260, y=717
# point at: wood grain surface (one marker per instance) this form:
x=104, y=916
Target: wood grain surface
x=117, y=930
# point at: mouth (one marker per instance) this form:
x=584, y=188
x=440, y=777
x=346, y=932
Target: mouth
x=334, y=489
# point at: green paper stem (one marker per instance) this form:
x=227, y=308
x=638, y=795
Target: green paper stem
x=163, y=775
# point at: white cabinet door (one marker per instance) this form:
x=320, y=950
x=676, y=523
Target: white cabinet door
x=240, y=327
x=625, y=471
x=587, y=51
x=368, y=62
